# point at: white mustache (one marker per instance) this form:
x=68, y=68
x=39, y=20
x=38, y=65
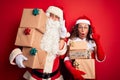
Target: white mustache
x=52, y=22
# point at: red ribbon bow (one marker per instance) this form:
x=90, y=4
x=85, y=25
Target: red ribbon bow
x=27, y=31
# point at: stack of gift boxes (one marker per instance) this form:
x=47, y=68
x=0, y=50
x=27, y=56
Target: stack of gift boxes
x=80, y=54
x=30, y=33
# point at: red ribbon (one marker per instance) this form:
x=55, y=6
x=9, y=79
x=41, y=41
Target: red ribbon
x=27, y=31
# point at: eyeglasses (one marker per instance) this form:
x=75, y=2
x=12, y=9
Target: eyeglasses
x=81, y=27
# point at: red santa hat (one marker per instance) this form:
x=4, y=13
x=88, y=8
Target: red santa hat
x=55, y=10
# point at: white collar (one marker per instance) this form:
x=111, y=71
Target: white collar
x=79, y=39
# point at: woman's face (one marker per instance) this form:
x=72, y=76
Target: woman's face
x=83, y=30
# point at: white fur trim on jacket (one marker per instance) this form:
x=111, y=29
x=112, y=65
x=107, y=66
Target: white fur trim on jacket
x=28, y=76
x=13, y=54
x=66, y=58
x=60, y=78
x=98, y=59
x=63, y=51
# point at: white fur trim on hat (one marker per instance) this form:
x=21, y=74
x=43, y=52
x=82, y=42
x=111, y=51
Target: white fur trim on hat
x=55, y=10
x=83, y=21
x=13, y=54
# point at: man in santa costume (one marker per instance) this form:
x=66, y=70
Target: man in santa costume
x=53, y=43
x=84, y=31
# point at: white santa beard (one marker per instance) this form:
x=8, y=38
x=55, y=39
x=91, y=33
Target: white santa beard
x=50, y=40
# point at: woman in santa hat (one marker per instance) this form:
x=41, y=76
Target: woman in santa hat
x=84, y=31
x=55, y=30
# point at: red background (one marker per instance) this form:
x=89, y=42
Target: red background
x=103, y=13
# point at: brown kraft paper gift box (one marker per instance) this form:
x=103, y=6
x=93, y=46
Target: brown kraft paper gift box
x=78, y=49
x=37, y=26
x=76, y=45
x=86, y=65
x=30, y=40
x=30, y=20
x=79, y=53
x=36, y=61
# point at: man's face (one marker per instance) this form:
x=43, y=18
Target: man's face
x=54, y=17
x=53, y=21
x=83, y=30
